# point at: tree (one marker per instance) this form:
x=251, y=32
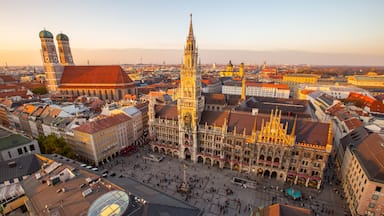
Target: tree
x=52, y=144
x=40, y=90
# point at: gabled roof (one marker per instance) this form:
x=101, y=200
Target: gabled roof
x=216, y=118
x=217, y=99
x=25, y=165
x=94, y=75
x=370, y=154
x=101, y=124
x=284, y=210
x=168, y=111
x=311, y=132
x=242, y=121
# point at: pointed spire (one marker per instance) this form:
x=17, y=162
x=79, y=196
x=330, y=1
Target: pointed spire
x=190, y=35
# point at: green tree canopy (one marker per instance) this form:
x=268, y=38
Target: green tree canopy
x=40, y=91
x=52, y=144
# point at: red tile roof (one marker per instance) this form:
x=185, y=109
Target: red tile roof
x=365, y=101
x=215, y=118
x=284, y=210
x=110, y=75
x=8, y=79
x=353, y=123
x=22, y=93
x=168, y=111
x=101, y=124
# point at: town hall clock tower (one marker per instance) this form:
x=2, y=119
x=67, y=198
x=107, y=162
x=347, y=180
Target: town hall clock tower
x=190, y=102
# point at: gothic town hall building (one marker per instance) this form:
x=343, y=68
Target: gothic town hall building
x=272, y=145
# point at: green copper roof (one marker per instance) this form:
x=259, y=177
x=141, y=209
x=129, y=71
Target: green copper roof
x=62, y=37
x=45, y=34
x=12, y=141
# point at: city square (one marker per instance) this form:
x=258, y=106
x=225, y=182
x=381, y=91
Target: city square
x=212, y=190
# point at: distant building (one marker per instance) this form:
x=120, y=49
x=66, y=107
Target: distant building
x=300, y=78
x=211, y=85
x=336, y=91
x=15, y=145
x=230, y=72
x=293, y=80
x=257, y=89
x=369, y=80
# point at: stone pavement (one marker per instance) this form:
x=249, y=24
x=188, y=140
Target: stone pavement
x=212, y=187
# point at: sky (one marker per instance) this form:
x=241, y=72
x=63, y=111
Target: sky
x=342, y=27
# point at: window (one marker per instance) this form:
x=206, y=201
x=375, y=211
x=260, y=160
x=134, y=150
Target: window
x=20, y=151
x=25, y=149
x=371, y=205
x=9, y=154
x=378, y=189
x=32, y=147
x=307, y=154
x=375, y=197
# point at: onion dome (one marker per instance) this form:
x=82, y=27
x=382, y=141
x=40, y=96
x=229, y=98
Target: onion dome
x=45, y=34
x=62, y=37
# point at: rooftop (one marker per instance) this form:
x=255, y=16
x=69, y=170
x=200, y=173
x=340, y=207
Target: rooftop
x=370, y=153
x=13, y=140
x=283, y=210
x=75, y=76
x=101, y=124
x=19, y=167
x=86, y=193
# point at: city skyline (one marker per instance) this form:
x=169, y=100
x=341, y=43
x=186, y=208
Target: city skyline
x=348, y=30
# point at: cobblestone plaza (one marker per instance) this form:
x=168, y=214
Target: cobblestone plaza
x=214, y=193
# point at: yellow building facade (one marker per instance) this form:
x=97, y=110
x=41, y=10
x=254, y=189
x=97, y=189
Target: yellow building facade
x=300, y=78
x=230, y=72
x=369, y=80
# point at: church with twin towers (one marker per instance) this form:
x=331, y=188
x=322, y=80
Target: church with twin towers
x=108, y=82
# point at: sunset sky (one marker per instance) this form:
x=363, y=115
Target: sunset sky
x=342, y=26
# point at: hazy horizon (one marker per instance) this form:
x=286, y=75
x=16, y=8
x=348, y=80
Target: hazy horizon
x=81, y=56
x=281, y=32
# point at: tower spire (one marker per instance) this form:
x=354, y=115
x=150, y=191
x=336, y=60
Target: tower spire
x=190, y=35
